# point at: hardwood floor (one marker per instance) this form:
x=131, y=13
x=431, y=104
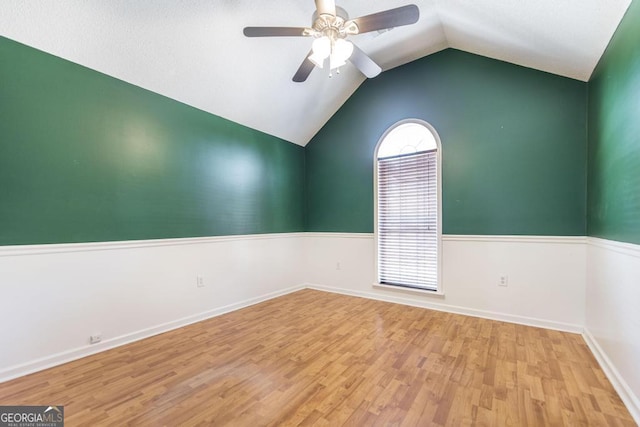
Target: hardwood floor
x=316, y=358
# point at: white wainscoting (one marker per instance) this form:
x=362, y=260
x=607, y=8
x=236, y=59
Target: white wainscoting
x=546, y=276
x=612, y=323
x=55, y=296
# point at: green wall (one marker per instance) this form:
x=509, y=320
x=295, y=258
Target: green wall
x=514, y=147
x=614, y=136
x=86, y=157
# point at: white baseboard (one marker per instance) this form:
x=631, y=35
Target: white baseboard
x=88, y=350
x=521, y=320
x=619, y=384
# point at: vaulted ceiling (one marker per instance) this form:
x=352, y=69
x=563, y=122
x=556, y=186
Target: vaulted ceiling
x=194, y=51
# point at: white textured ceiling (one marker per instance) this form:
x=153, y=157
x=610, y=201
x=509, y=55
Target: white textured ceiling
x=194, y=50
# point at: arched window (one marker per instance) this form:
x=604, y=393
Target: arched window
x=408, y=206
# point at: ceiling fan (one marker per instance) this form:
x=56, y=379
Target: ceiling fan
x=330, y=28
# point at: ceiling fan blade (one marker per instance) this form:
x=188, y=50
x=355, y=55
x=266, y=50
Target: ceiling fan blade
x=274, y=31
x=326, y=7
x=305, y=69
x=364, y=63
x=397, y=17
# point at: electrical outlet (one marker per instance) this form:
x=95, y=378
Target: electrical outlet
x=95, y=338
x=200, y=281
x=504, y=281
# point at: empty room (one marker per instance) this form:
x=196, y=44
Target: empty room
x=244, y=213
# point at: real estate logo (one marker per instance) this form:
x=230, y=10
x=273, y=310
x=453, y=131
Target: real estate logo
x=31, y=416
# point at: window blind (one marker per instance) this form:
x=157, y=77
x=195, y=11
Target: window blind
x=408, y=220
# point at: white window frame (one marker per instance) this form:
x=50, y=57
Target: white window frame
x=377, y=284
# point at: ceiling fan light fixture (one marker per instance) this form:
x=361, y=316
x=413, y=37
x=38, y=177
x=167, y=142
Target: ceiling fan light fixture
x=342, y=50
x=321, y=49
x=317, y=60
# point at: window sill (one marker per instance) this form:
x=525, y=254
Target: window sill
x=438, y=294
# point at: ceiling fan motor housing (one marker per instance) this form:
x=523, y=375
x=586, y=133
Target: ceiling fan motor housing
x=333, y=26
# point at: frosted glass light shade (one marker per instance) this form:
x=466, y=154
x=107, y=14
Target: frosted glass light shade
x=321, y=49
x=342, y=50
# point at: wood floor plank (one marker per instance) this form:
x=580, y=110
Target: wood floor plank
x=320, y=359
